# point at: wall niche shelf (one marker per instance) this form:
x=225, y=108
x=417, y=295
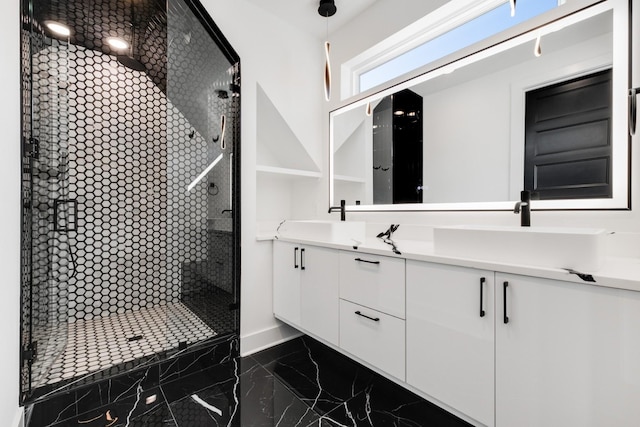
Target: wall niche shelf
x=347, y=178
x=287, y=172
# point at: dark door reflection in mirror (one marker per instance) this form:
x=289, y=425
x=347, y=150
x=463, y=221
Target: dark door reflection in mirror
x=568, y=139
x=397, y=149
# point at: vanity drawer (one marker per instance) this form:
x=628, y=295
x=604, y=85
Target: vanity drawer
x=374, y=337
x=374, y=281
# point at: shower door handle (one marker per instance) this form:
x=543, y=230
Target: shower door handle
x=230, y=182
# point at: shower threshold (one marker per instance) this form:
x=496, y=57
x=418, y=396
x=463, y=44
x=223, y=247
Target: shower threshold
x=98, y=344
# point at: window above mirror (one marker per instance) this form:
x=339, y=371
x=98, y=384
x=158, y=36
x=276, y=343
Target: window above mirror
x=463, y=24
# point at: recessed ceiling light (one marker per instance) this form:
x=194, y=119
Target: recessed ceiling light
x=58, y=28
x=117, y=43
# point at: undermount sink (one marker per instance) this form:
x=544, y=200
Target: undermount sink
x=579, y=249
x=346, y=232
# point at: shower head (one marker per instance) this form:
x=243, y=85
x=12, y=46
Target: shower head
x=130, y=60
x=131, y=63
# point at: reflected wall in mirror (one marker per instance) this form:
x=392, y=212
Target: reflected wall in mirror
x=473, y=124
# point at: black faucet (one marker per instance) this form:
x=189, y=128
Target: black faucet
x=523, y=207
x=343, y=215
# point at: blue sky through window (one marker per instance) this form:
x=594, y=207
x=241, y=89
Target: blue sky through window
x=479, y=28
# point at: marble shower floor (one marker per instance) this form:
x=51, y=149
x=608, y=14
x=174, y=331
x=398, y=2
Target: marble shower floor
x=300, y=383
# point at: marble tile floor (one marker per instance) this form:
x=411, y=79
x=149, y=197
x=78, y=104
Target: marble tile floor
x=298, y=383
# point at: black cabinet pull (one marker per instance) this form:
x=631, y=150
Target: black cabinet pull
x=632, y=109
x=302, y=259
x=369, y=262
x=375, y=319
x=295, y=258
x=482, y=281
x=505, y=285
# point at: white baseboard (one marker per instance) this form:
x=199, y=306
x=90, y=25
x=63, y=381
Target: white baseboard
x=261, y=340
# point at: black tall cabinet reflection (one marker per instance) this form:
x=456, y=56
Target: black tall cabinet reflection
x=397, y=149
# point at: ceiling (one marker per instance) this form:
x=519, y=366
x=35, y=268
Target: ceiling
x=303, y=14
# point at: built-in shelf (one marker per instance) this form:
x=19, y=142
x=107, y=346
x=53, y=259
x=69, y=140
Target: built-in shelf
x=294, y=173
x=347, y=178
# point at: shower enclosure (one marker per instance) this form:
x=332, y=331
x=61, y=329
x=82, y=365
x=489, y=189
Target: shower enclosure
x=130, y=187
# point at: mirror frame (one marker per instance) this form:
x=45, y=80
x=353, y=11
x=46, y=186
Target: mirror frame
x=553, y=20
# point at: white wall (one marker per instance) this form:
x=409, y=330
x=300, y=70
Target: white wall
x=10, y=212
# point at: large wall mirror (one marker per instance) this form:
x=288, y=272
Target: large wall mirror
x=544, y=110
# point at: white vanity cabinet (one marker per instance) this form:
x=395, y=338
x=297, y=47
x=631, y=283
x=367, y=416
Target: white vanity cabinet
x=450, y=336
x=500, y=349
x=305, y=288
x=567, y=354
x=372, y=310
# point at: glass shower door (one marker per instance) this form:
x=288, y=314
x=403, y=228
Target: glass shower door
x=202, y=139
x=49, y=214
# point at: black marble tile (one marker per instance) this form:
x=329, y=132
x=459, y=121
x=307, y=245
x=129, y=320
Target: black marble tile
x=255, y=399
x=160, y=416
x=385, y=403
x=220, y=375
x=299, y=383
x=131, y=410
x=319, y=376
x=286, y=349
x=211, y=397
x=123, y=386
x=50, y=411
x=265, y=402
x=197, y=359
x=288, y=409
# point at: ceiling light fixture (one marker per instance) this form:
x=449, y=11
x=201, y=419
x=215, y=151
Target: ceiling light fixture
x=537, y=50
x=327, y=8
x=513, y=7
x=117, y=43
x=58, y=28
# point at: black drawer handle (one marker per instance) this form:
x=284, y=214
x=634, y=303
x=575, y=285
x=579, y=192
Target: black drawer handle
x=295, y=258
x=369, y=262
x=482, y=281
x=375, y=319
x=302, y=267
x=632, y=109
x=505, y=318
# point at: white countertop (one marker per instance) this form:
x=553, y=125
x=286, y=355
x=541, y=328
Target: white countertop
x=617, y=272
